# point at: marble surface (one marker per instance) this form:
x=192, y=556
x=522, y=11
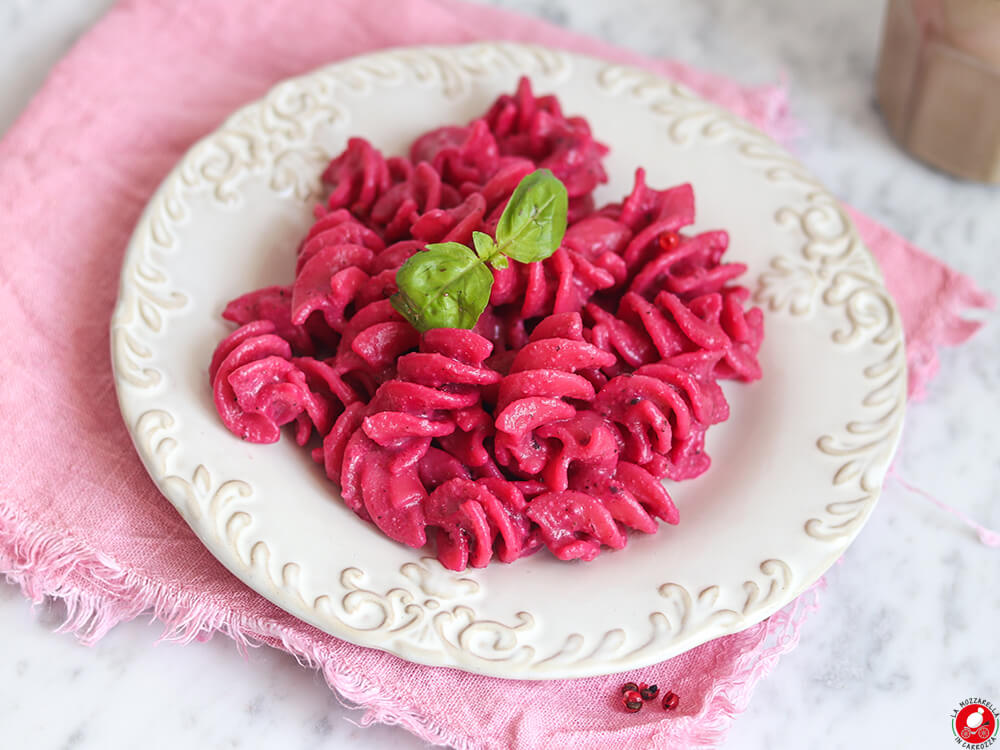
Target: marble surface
x=909, y=619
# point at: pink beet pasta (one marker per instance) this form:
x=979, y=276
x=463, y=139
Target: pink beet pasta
x=590, y=378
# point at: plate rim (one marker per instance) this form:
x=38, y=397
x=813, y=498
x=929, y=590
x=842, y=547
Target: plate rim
x=148, y=437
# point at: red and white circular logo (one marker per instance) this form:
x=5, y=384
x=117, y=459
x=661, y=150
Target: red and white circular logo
x=974, y=723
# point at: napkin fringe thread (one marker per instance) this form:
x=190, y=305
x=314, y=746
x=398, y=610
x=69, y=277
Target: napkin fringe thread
x=359, y=693
x=98, y=595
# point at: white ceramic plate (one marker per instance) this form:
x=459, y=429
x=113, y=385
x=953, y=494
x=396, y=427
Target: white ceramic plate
x=796, y=470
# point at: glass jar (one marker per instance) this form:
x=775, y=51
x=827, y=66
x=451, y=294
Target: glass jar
x=939, y=83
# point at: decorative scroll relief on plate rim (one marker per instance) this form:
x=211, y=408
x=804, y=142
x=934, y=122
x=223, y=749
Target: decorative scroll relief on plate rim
x=834, y=270
x=434, y=611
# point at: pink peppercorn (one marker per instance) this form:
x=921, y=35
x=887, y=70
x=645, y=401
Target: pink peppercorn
x=668, y=241
x=632, y=701
x=648, y=692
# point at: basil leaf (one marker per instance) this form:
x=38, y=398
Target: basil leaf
x=487, y=249
x=448, y=285
x=444, y=286
x=534, y=221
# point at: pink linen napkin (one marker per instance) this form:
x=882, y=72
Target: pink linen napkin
x=79, y=517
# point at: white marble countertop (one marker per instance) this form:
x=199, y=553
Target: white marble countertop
x=909, y=621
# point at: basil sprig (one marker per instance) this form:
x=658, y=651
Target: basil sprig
x=448, y=285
